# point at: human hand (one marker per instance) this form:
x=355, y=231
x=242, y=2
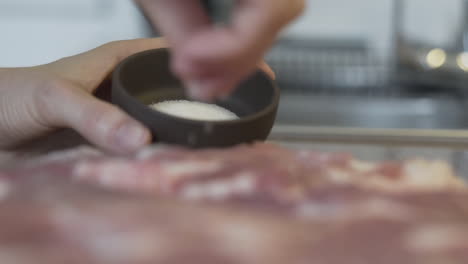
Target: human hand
x=211, y=60
x=37, y=100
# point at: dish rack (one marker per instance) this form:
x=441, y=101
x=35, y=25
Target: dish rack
x=329, y=67
x=348, y=68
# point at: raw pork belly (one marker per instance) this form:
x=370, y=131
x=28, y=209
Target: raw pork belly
x=248, y=204
x=263, y=169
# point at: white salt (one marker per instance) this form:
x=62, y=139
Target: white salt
x=195, y=110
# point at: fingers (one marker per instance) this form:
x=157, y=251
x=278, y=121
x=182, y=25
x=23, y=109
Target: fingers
x=212, y=60
x=221, y=85
x=90, y=68
x=58, y=95
x=101, y=123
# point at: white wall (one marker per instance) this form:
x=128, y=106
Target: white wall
x=435, y=21
x=432, y=21
x=39, y=31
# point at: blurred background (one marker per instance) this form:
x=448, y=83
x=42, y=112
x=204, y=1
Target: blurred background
x=379, y=72
x=362, y=48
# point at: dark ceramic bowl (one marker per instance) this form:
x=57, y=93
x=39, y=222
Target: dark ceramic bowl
x=145, y=78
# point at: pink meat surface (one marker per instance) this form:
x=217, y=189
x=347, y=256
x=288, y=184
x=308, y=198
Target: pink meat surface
x=248, y=204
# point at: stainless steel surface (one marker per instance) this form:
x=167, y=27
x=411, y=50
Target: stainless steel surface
x=387, y=120
x=298, y=133
x=374, y=112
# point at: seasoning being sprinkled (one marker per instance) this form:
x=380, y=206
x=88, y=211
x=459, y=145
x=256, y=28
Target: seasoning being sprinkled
x=195, y=110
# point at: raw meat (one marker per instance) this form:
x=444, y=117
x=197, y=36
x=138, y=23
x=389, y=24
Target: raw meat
x=249, y=204
x=269, y=170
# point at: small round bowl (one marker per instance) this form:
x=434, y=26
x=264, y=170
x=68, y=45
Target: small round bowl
x=145, y=78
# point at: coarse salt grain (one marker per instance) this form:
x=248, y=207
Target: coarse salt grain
x=194, y=110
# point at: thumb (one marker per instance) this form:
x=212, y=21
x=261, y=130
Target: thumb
x=99, y=122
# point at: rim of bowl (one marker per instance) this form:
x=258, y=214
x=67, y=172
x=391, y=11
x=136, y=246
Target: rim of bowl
x=270, y=107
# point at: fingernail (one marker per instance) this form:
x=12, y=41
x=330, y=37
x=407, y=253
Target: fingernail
x=131, y=136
